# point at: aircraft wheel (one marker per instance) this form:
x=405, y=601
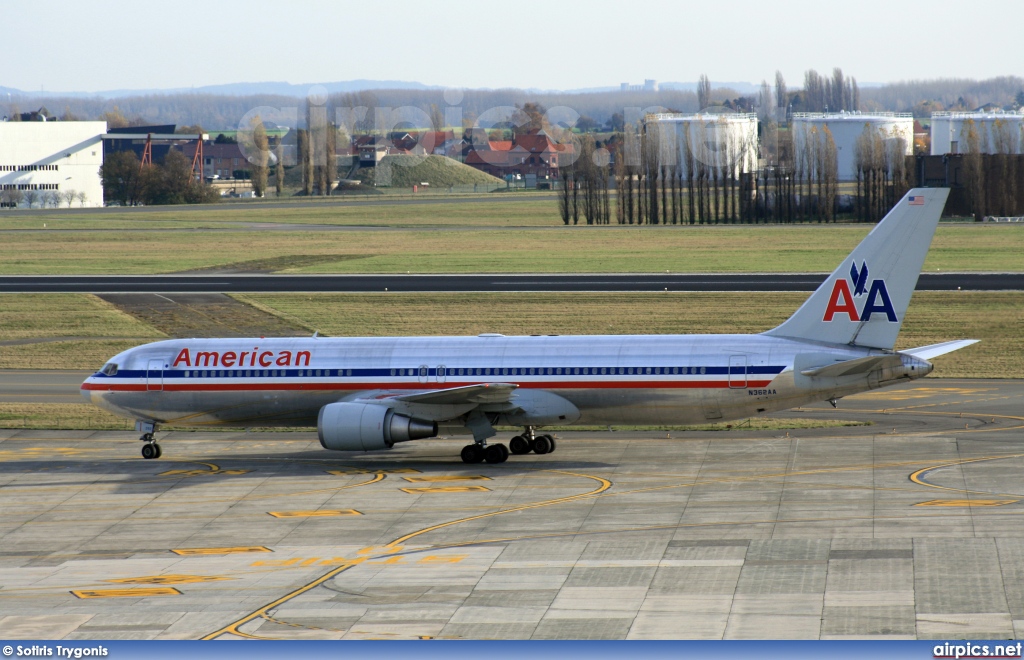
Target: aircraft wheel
x=541, y=445
x=150, y=450
x=159, y=451
x=551, y=442
x=496, y=453
x=519, y=445
x=472, y=454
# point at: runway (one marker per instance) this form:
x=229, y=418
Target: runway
x=248, y=283
x=907, y=528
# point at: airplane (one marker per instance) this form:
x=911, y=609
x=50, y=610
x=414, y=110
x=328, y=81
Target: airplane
x=370, y=393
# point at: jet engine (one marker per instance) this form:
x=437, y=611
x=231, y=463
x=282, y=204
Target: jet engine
x=366, y=427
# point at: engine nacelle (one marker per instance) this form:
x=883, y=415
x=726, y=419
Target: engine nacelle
x=366, y=427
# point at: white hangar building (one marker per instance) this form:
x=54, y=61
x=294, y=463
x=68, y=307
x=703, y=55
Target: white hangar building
x=58, y=156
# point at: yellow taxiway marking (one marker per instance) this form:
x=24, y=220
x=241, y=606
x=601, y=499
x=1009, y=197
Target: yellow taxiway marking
x=396, y=546
x=922, y=393
x=324, y=513
x=467, y=477
x=967, y=503
x=32, y=453
x=346, y=473
x=446, y=489
x=210, y=469
x=170, y=579
x=126, y=593
x=188, y=552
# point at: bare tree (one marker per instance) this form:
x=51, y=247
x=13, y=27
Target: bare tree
x=703, y=92
x=330, y=158
x=68, y=197
x=260, y=159
x=82, y=197
x=279, y=168
x=565, y=196
x=781, y=94
x=305, y=161
x=765, y=103
x=688, y=164
x=31, y=197
x=12, y=197
x=974, y=174
x=830, y=165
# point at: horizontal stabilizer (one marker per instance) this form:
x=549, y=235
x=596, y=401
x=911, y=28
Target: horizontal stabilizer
x=852, y=367
x=935, y=350
x=482, y=393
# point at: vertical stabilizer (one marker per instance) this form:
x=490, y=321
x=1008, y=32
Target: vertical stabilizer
x=863, y=302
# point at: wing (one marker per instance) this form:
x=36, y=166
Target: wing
x=454, y=396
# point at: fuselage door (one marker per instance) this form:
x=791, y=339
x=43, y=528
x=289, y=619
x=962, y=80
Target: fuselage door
x=737, y=371
x=424, y=372
x=155, y=376
x=442, y=373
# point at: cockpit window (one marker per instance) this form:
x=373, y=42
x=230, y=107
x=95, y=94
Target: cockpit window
x=110, y=369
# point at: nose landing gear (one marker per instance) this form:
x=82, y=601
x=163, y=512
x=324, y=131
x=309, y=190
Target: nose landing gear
x=150, y=449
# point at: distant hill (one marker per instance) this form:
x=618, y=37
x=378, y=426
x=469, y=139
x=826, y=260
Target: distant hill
x=234, y=89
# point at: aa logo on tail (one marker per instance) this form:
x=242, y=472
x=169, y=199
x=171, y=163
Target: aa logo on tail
x=875, y=298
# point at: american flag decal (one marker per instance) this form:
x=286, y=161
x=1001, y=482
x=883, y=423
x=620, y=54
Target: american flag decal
x=915, y=200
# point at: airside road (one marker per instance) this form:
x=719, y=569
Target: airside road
x=244, y=283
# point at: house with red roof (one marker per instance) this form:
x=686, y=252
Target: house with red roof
x=524, y=155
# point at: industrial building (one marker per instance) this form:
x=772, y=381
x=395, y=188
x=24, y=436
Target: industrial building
x=847, y=127
x=996, y=132
x=40, y=158
x=715, y=140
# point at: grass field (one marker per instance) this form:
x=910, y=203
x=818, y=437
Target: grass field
x=98, y=331
x=492, y=210
x=556, y=249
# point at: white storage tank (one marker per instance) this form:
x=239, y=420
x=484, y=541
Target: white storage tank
x=997, y=132
x=847, y=127
x=717, y=140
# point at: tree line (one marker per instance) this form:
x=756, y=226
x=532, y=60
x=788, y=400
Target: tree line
x=223, y=111
x=128, y=183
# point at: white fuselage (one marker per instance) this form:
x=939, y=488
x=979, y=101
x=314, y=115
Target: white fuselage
x=638, y=379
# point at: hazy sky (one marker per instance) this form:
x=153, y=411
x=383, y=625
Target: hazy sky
x=82, y=45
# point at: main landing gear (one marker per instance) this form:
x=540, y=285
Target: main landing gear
x=477, y=453
x=150, y=449
x=518, y=445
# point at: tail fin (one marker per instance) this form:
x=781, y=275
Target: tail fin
x=863, y=302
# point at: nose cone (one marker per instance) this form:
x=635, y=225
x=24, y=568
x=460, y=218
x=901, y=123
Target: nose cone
x=87, y=390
